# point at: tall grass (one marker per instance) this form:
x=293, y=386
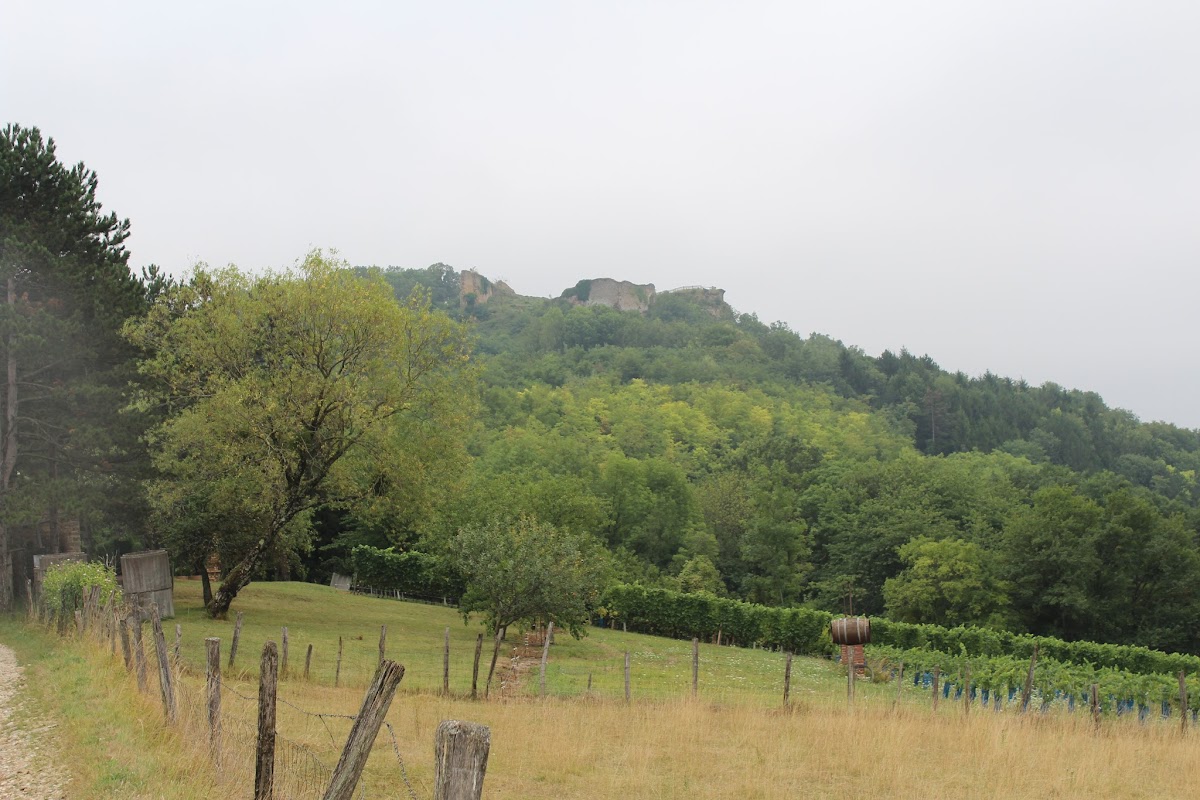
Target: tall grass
x=578, y=745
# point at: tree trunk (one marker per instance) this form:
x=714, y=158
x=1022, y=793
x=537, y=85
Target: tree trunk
x=9, y=460
x=236, y=579
x=205, y=583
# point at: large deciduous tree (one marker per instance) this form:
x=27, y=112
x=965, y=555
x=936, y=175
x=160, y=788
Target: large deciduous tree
x=66, y=288
x=312, y=387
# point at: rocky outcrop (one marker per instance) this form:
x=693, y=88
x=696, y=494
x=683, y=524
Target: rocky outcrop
x=711, y=298
x=477, y=289
x=621, y=295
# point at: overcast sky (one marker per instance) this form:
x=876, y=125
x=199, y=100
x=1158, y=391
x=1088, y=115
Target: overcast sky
x=1012, y=186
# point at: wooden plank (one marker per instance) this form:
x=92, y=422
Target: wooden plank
x=370, y=717
x=460, y=760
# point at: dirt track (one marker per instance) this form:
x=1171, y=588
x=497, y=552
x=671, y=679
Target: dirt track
x=25, y=769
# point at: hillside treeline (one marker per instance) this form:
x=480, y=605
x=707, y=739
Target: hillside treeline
x=711, y=452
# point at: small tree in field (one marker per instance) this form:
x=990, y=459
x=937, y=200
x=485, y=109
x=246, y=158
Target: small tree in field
x=523, y=570
x=289, y=391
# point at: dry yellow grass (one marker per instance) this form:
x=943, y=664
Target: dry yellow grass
x=597, y=747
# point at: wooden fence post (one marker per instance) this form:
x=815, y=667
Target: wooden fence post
x=139, y=652
x=967, y=690
x=850, y=676
x=545, y=657
x=29, y=607
x=212, y=671
x=937, y=673
x=1028, y=691
x=475, y=671
x=1095, y=698
x=460, y=760
x=165, y=685
x=307, y=661
x=382, y=642
x=446, y=664
x=787, y=680
x=123, y=625
x=337, y=673
x=366, y=727
x=899, y=681
x=695, y=665
x=178, y=641
x=264, y=760
x=1183, y=703
x=626, y=676
x=283, y=653
x=237, y=634
x=487, y=689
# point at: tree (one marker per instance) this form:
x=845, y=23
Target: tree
x=947, y=582
x=292, y=391
x=524, y=570
x=66, y=288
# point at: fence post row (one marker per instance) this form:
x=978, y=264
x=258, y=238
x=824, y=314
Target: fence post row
x=366, y=726
x=264, y=761
x=460, y=760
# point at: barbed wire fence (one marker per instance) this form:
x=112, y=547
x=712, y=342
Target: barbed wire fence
x=311, y=753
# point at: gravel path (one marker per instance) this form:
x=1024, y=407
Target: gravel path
x=25, y=771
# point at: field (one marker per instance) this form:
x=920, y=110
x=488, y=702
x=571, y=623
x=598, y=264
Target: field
x=734, y=741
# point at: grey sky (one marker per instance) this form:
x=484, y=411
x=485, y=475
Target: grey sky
x=1003, y=185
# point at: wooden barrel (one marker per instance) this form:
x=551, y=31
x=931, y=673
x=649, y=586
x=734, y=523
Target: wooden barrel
x=852, y=630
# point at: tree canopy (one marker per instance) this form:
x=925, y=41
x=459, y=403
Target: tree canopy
x=291, y=391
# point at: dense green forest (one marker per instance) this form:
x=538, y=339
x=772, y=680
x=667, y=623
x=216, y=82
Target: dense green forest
x=292, y=422
x=713, y=452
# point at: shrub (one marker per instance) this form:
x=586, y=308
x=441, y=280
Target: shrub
x=65, y=585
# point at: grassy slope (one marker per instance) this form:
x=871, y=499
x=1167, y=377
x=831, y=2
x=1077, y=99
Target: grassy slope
x=725, y=747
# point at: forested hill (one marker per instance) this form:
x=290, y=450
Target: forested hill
x=713, y=451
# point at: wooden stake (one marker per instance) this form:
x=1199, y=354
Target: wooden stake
x=178, y=641
x=337, y=673
x=382, y=642
x=1095, y=697
x=475, y=671
x=237, y=634
x=967, y=690
x=1028, y=691
x=125, y=648
x=899, y=681
x=264, y=753
x=283, y=653
x=787, y=680
x=589, y=683
x=1183, y=703
x=165, y=685
x=29, y=599
x=695, y=665
x=370, y=717
x=446, y=663
x=139, y=652
x=460, y=760
x=937, y=673
x=307, y=661
x=212, y=673
x=545, y=656
x=626, y=676
x=850, y=676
